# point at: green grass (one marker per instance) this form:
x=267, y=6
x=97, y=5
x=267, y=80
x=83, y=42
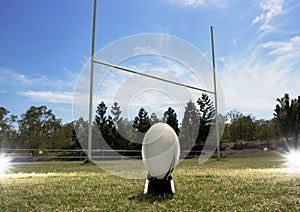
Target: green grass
x=235, y=184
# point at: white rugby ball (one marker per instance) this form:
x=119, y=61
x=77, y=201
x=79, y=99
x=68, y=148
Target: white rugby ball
x=160, y=150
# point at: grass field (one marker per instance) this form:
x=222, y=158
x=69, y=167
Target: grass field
x=233, y=184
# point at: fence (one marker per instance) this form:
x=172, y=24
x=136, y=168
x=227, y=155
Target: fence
x=30, y=155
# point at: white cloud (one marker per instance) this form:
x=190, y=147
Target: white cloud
x=10, y=78
x=146, y=49
x=49, y=96
x=194, y=2
x=201, y=3
x=12, y=81
x=271, y=8
x=253, y=82
x=291, y=47
x=38, y=88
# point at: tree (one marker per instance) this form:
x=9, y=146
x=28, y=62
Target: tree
x=233, y=115
x=101, y=116
x=265, y=130
x=170, y=117
x=81, y=132
x=153, y=119
x=7, y=129
x=141, y=121
x=122, y=131
x=243, y=129
x=118, y=140
x=62, y=138
x=116, y=112
x=114, y=130
x=226, y=134
x=285, y=116
x=295, y=113
x=206, y=116
x=189, y=126
x=75, y=142
x=128, y=135
x=38, y=127
x=105, y=124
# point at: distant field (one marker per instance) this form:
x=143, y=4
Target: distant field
x=235, y=184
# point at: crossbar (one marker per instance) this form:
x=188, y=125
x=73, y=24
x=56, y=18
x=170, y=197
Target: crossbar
x=151, y=76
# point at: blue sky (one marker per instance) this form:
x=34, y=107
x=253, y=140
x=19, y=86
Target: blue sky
x=44, y=46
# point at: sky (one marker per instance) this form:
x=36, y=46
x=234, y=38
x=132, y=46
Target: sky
x=45, y=45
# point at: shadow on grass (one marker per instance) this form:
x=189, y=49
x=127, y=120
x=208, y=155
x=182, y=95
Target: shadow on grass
x=150, y=198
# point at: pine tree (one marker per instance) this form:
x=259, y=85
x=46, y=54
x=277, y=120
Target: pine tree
x=118, y=141
x=142, y=124
x=75, y=142
x=105, y=124
x=206, y=116
x=287, y=114
x=81, y=129
x=141, y=121
x=116, y=112
x=153, y=119
x=170, y=117
x=295, y=110
x=283, y=115
x=100, y=116
x=189, y=127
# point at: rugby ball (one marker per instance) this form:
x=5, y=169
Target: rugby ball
x=160, y=150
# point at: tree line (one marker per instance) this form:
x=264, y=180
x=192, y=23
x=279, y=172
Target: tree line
x=121, y=133
x=39, y=128
x=284, y=124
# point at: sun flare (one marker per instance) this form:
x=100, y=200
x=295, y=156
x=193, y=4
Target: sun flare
x=4, y=164
x=293, y=159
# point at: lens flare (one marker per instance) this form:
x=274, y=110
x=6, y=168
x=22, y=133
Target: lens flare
x=293, y=159
x=4, y=164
